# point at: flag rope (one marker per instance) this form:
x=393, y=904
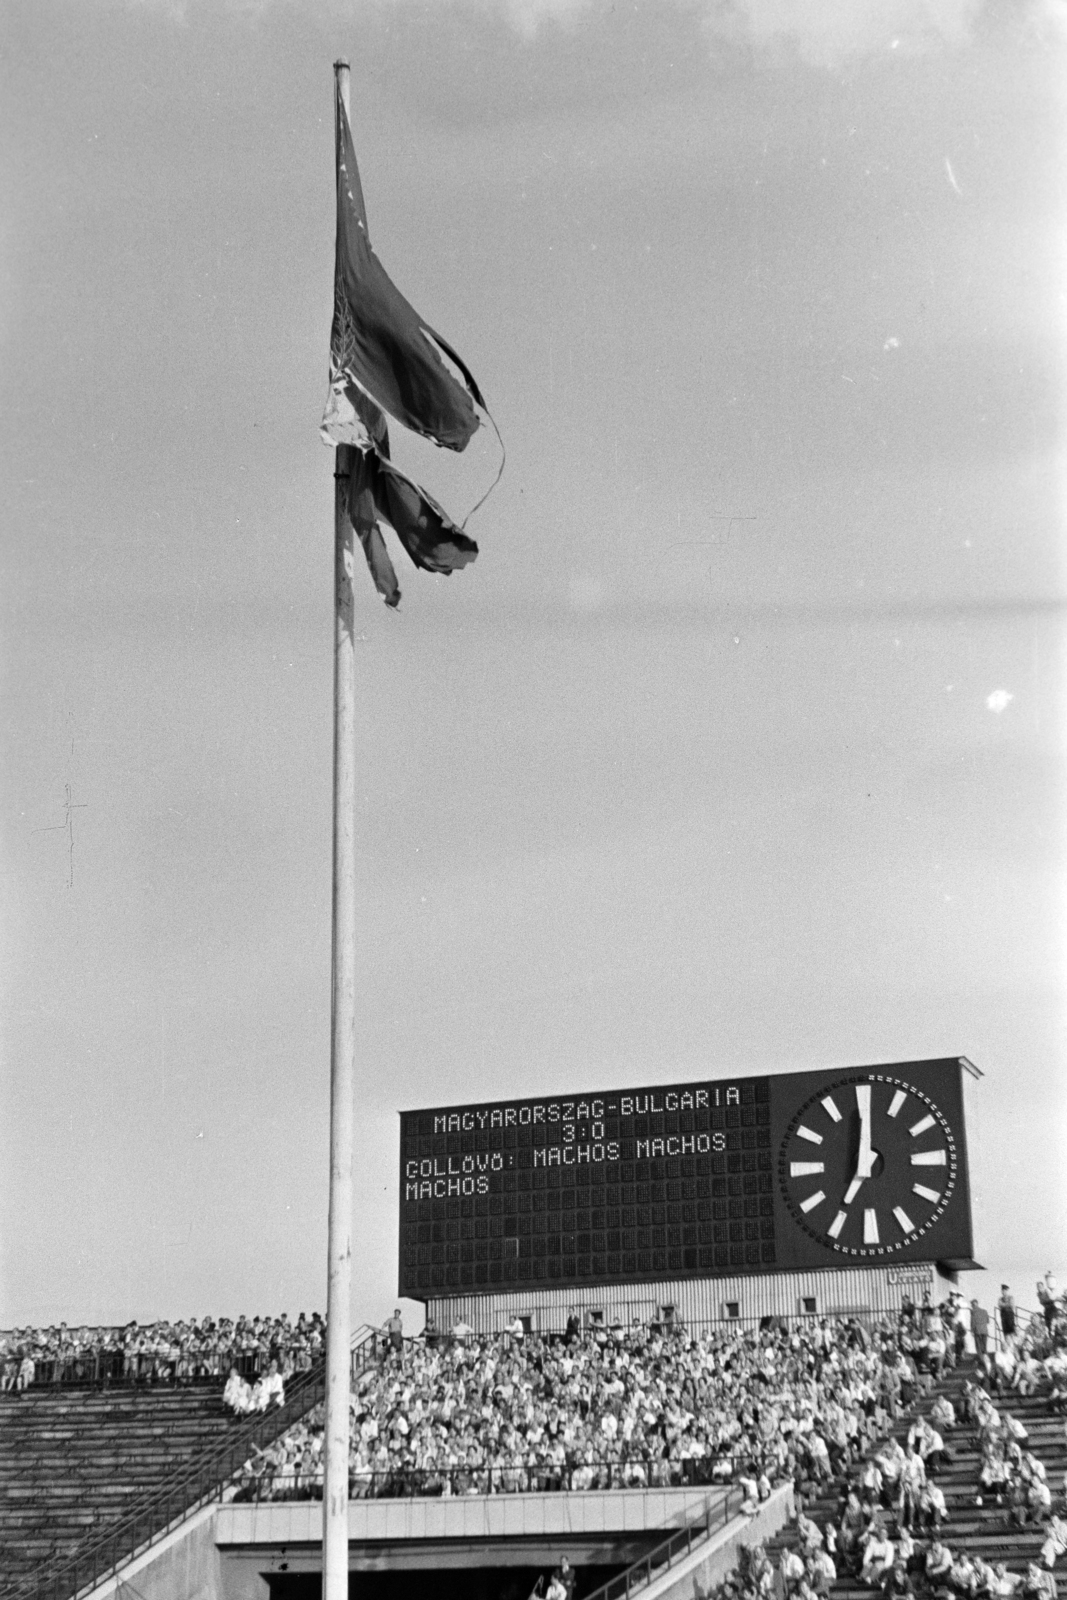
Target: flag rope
x=499, y=475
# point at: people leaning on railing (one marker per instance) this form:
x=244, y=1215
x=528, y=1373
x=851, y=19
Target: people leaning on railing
x=179, y=1353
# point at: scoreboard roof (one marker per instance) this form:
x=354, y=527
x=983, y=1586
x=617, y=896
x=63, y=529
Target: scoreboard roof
x=856, y=1166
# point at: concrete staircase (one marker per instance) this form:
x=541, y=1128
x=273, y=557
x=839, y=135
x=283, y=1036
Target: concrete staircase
x=89, y=1475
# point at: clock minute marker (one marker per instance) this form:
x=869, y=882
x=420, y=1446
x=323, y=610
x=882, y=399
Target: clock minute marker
x=812, y=1201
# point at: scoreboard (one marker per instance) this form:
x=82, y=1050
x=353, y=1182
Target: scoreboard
x=853, y=1167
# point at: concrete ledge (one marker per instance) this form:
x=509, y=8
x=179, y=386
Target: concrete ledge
x=693, y=1576
x=494, y=1516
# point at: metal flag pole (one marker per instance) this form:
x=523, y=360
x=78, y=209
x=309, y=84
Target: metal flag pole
x=343, y=1033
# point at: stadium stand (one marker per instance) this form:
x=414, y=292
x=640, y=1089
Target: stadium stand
x=92, y=1471
x=608, y=1408
x=90, y=1474
x=995, y=1538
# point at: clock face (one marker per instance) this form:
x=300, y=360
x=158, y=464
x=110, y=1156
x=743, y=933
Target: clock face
x=868, y=1165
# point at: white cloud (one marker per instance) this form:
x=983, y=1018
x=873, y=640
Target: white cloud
x=999, y=700
x=824, y=32
x=527, y=16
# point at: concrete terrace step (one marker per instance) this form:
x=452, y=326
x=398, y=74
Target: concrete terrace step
x=74, y=1462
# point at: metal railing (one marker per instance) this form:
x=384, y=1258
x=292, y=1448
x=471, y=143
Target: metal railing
x=511, y=1478
x=203, y=1479
x=676, y=1548
x=112, y=1369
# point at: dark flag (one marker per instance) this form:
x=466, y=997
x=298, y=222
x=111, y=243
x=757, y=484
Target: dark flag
x=379, y=345
x=379, y=492
x=385, y=359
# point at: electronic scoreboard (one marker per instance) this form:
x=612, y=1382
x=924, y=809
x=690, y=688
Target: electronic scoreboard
x=855, y=1167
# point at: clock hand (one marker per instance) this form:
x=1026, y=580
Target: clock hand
x=865, y=1155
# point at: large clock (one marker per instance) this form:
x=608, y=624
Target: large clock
x=868, y=1165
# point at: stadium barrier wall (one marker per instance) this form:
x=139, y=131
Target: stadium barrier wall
x=183, y=1566
x=693, y=1577
x=832, y=1291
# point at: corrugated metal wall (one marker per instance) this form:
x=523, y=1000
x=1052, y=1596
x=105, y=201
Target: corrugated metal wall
x=700, y=1300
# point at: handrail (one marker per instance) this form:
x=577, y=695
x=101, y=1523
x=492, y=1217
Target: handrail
x=640, y=1574
x=153, y=1514
x=518, y=1477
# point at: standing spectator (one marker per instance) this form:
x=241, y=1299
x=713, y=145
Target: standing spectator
x=979, y=1329
x=959, y=1335
x=1006, y=1312
x=1046, y=1293
x=912, y=1483
x=394, y=1331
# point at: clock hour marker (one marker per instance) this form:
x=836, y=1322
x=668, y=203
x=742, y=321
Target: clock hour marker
x=870, y=1226
x=812, y=1201
x=838, y=1223
x=806, y=1133
x=906, y=1224
x=830, y=1108
x=805, y=1169
x=921, y=1127
x=929, y=1158
x=927, y=1194
x=896, y=1102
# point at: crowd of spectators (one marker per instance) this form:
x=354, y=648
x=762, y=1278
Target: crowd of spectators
x=614, y=1406
x=160, y=1352
x=889, y=1533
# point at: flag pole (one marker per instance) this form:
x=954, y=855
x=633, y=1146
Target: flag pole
x=342, y=1034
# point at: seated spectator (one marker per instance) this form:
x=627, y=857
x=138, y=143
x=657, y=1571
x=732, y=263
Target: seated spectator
x=937, y=1565
x=943, y=1413
x=822, y=1572
x=932, y=1510
x=790, y=1572
x=271, y=1387
x=238, y=1393
x=896, y=1581
x=1038, y=1585
x=878, y=1556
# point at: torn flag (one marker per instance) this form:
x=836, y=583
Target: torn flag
x=379, y=345
x=379, y=492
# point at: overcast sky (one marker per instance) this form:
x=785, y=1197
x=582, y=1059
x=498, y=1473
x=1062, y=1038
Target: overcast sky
x=740, y=748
